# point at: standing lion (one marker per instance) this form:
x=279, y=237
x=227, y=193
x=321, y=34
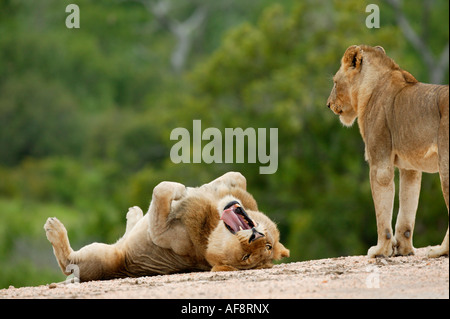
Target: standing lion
x=403, y=123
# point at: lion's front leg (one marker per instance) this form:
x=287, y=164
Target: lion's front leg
x=383, y=191
x=161, y=231
x=409, y=200
x=134, y=215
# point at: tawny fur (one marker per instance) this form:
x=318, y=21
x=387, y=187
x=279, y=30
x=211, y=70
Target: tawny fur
x=181, y=232
x=404, y=124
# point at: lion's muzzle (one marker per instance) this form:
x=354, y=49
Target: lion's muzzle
x=235, y=218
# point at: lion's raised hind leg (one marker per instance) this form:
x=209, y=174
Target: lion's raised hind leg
x=92, y=262
x=409, y=199
x=57, y=235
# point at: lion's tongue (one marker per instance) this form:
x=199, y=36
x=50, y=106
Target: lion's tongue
x=230, y=218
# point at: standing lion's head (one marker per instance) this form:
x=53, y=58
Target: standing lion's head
x=343, y=95
x=362, y=69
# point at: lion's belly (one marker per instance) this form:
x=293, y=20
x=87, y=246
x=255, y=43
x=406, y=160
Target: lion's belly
x=144, y=258
x=414, y=123
x=154, y=260
x=425, y=159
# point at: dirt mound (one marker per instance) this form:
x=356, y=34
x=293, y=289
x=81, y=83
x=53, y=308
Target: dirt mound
x=344, y=277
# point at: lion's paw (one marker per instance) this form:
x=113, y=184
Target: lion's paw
x=404, y=252
x=386, y=250
x=134, y=214
x=437, y=251
x=179, y=190
x=404, y=246
x=169, y=190
x=55, y=230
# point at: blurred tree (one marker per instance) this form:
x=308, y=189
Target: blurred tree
x=437, y=65
x=37, y=119
x=183, y=31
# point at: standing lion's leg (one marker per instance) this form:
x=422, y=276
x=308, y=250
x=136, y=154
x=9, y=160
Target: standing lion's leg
x=383, y=191
x=409, y=200
x=163, y=195
x=443, y=140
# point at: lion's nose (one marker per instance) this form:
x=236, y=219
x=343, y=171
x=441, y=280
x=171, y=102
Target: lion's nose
x=329, y=104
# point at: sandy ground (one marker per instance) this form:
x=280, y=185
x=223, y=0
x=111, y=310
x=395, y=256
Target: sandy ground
x=344, y=277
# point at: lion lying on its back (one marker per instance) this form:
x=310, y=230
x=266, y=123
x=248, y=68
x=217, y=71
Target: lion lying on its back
x=404, y=123
x=213, y=227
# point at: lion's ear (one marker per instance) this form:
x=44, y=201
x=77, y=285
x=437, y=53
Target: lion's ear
x=280, y=251
x=409, y=78
x=353, y=57
x=380, y=48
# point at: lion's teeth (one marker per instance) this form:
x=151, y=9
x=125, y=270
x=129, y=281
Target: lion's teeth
x=240, y=227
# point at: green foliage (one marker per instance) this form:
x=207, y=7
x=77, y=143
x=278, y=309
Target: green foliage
x=86, y=115
x=36, y=120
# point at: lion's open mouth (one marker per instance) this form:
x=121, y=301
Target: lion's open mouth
x=235, y=218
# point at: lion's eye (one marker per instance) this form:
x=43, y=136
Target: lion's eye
x=268, y=246
x=245, y=257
